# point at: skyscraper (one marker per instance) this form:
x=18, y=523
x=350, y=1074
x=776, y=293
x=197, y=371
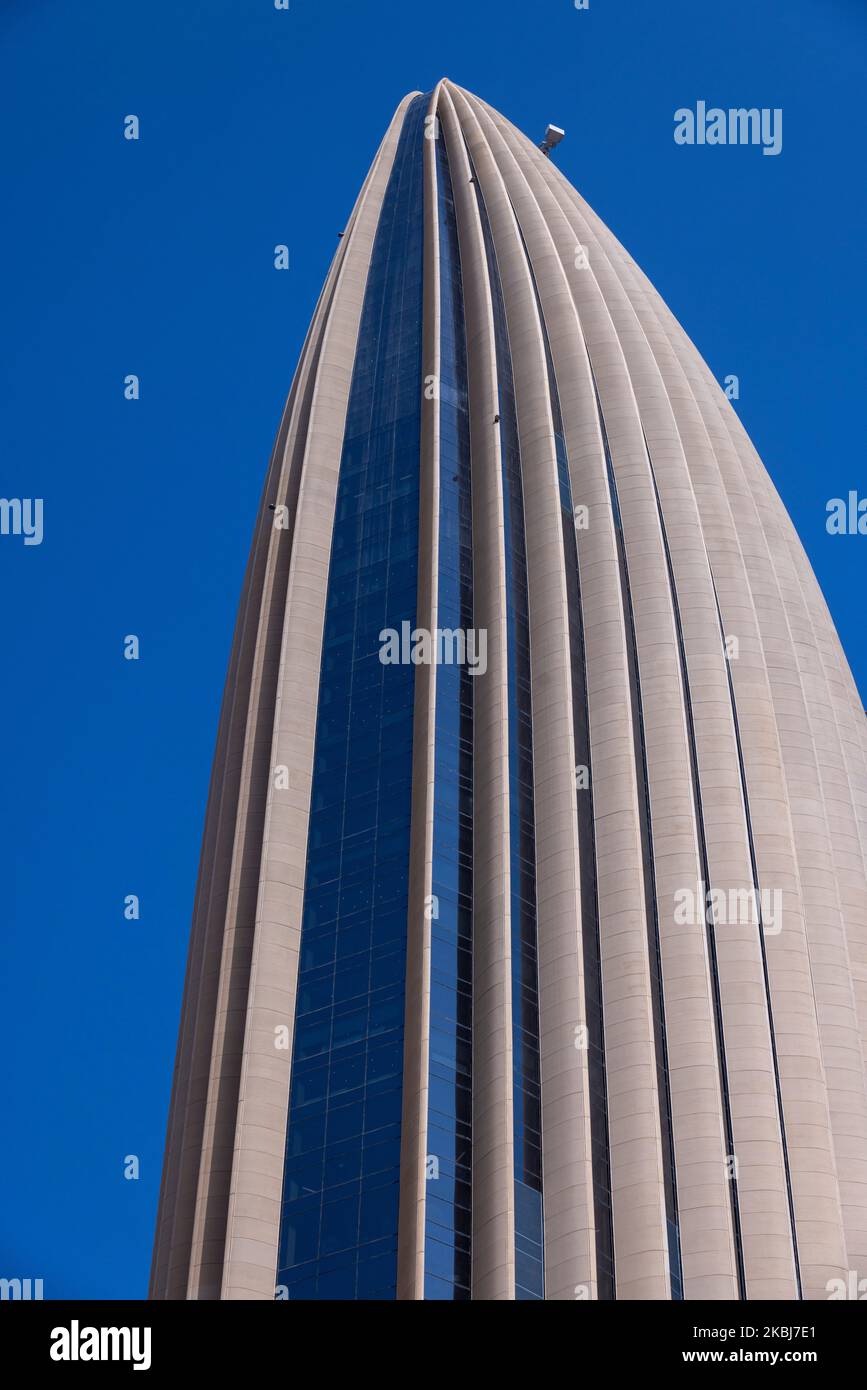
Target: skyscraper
x=529, y=955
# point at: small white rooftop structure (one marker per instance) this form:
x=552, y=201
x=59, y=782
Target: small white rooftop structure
x=553, y=135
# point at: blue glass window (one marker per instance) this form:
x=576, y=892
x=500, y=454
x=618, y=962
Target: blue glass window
x=447, y=1215
x=339, y=1219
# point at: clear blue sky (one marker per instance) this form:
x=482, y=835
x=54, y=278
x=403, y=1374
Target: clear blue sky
x=156, y=257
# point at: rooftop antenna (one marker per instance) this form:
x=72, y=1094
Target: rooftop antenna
x=553, y=136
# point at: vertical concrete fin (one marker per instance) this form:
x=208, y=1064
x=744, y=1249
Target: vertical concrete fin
x=414, y=1126
x=493, y=1269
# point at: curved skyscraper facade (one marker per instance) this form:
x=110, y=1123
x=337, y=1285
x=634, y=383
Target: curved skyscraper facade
x=529, y=954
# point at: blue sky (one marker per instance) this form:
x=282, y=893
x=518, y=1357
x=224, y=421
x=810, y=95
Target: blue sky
x=156, y=257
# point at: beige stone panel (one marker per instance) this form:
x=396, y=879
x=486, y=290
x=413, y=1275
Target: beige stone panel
x=628, y=1053
x=796, y=1028
x=850, y=851
x=568, y=199
x=688, y=1003
x=799, y=1031
x=736, y=953
x=566, y=1139
x=414, y=1127
x=819, y=766
x=625, y=983
x=814, y=762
